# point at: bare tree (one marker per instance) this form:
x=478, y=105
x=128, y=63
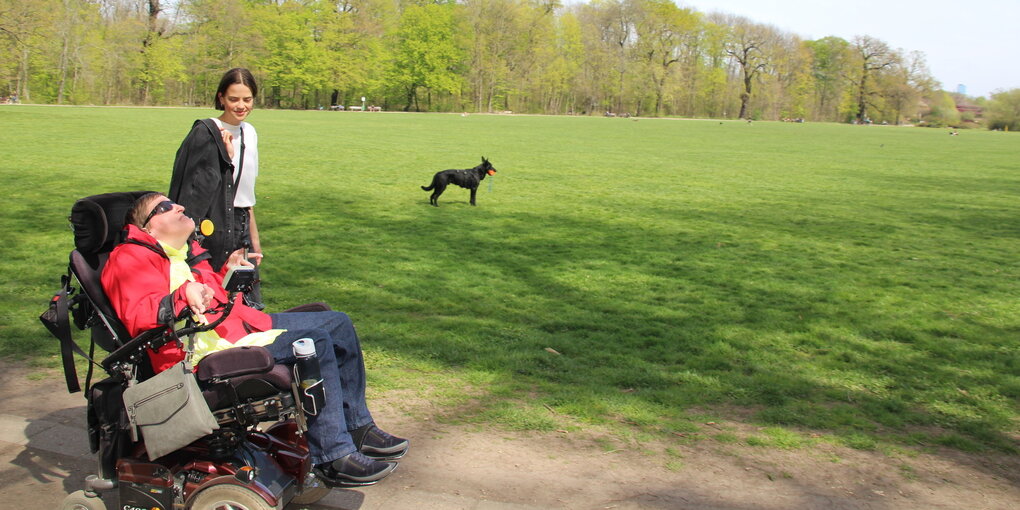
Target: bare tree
x=750, y=46
x=905, y=81
x=874, y=55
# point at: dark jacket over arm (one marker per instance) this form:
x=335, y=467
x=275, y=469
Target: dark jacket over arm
x=203, y=183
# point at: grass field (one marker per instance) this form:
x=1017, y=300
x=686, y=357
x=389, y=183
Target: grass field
x=823, y=282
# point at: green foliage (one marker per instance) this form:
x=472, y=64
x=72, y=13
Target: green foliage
x=224, y=36
x=829, y=57
x=295, y=64
x=160, y=65
x=664, y=28
x=642, y=57
x=943, y=111
x=855, y=283
x=427, y=53
x=1004, y=110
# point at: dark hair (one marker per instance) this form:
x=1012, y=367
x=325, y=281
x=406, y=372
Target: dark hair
x=235, y=75
x=136, y=215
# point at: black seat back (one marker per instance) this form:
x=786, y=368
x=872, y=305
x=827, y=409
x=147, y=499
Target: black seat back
x=107, y=330
x=98, y=224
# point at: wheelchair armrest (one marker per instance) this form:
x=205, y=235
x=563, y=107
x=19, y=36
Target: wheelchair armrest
x=133, y=352
x=234, y=362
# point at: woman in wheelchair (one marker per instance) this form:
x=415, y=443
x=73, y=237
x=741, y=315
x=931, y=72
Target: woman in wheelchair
x=156, y=276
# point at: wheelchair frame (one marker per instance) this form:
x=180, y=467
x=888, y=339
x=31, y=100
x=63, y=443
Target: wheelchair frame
x=238, y=464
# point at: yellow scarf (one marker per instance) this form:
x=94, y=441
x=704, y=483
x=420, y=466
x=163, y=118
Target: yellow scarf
x=207, y=342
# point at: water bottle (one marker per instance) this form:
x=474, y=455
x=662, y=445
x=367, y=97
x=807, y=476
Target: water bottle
x=308, y=376
x=307, y=366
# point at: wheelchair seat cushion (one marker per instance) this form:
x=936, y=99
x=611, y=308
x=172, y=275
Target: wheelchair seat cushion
x=310, y=307
x=235, y=362
x=279, y=377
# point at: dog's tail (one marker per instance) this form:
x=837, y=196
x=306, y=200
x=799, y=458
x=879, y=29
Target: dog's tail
x=429, y=188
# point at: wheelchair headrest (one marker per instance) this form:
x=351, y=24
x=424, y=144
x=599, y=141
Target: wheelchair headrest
x=98, y=221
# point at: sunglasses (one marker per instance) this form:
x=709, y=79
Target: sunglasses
x=162, y=207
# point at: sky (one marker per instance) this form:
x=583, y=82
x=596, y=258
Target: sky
x=974, y=43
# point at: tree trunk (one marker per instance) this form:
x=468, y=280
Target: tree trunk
x=660, y=85
x=862, y=105
x=411, y=97
x=154, y=10
x=63, y=73
x=745, y=97
x=23, y=94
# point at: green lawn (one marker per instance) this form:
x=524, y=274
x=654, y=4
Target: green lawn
x=848, y=283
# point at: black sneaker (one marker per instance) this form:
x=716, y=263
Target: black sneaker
x=353, y=470
x=378, y=444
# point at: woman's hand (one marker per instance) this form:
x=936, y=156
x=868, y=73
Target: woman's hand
x=228, y=141
x=239, y=258
x=199, y=296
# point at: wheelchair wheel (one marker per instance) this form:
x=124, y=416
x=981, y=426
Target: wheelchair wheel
x=229, y=497
x=79, y=501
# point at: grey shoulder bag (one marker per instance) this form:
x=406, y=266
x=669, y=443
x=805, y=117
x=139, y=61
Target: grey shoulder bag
x=169, y=410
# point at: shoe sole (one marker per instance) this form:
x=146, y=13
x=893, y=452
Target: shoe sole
x=340, y=483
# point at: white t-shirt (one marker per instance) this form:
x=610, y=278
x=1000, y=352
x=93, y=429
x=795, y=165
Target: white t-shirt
x=244, y=195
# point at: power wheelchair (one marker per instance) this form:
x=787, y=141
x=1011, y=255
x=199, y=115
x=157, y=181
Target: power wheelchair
x=258, y=458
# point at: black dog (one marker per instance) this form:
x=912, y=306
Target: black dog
x=469, y=179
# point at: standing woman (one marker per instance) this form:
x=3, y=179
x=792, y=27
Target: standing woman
x=215, y=170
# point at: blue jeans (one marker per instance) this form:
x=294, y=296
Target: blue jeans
x=343, y=373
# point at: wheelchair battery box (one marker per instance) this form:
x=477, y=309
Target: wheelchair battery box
x=144, y=486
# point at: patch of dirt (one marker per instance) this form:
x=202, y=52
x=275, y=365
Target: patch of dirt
x=577, y=470
x=458, y=466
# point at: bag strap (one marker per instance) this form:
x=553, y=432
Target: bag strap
x=240, y=161
x=60, y=327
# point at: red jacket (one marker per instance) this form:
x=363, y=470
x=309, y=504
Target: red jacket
x=137, y=282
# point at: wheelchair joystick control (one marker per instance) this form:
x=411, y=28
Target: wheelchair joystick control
x=308, y=376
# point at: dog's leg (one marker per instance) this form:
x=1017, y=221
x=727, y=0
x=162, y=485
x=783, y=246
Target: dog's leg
x=473, y=190
x=434, y=199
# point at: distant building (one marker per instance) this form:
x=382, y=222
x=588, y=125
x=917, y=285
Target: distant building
x=963, y=108
x=965, y=105
x=961, y=89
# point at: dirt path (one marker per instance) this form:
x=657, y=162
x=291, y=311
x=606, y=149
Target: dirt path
x=44, y=456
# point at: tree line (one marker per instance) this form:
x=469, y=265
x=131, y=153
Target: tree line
x=635, y=57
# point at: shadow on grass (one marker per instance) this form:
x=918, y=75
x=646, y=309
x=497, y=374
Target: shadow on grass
x=650, y=323
x=814, y=324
